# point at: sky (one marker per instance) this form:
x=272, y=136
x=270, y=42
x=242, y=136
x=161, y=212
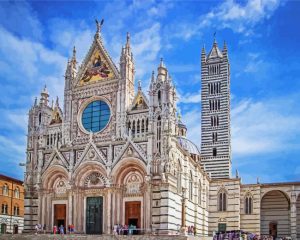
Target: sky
x=263, y=40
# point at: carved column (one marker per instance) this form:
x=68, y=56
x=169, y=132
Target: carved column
x=108, y=219
x=183, y=212
x=293, y=215
x=70, y=208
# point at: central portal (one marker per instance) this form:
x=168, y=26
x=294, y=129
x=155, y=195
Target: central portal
x=94, y=215
x=133, y=213
x=60, y=215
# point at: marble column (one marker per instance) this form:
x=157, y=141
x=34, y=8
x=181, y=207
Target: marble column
x=293, y=219
x=108, y=219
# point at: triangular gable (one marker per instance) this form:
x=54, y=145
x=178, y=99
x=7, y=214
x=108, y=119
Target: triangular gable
x=91, y=153
x=97, y=65
x=139, y=102
x=56, y=158
x=129, y=150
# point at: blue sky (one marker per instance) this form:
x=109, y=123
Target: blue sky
x=263, y=39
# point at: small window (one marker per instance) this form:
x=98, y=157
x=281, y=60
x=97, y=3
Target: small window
x=5, y=190
x=40, y=118
x=17, y=193
x=222, y=201
x=214, y=152
x=191, y=187
x=248, y=205
x=4, y=208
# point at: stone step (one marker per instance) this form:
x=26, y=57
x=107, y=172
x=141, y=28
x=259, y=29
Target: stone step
x=93, y=237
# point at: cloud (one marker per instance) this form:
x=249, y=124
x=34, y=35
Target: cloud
x=192, y=119
x=262, y=127
x=20, y=19
x=146, y=45
x=239, y=17
x=190, y=98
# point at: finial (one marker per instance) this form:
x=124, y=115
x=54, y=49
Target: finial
x=99, y=26
x=161, y=62
x=57, y=101
x=236, y=173
x=152, y=77
x=35, y=101
x=74, y=52
x=139, y=85
x=215, y=37
x=52, y=104
x=128, y=37
x=179, y=117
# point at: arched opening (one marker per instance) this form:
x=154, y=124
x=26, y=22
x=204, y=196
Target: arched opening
x=275, y=214
x=3, y=228
x=298, y=216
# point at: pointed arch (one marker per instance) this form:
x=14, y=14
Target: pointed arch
x=52, y=174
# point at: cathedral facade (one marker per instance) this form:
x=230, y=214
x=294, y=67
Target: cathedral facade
x=112, y=155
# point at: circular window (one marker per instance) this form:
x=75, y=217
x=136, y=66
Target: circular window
x=95, y=116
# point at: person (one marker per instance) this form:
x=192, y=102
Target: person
x=44, y=228
x=115, y=230
x=36, y=229
x=54, y=229
x=61, y=229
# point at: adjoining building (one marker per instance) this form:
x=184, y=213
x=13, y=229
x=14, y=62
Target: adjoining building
x=12, y=205
x=113, y=155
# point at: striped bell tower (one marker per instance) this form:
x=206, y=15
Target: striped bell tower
x=215, y=118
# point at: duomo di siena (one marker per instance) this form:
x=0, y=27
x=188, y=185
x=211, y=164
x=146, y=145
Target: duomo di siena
x=112, y=155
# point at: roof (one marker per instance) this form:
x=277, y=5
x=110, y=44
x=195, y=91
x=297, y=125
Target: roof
x=215, y=52
x=188, y=145
x=181, y=124
x=11, y=179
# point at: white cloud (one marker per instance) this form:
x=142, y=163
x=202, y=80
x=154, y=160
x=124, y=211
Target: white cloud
x=190, y=98
x=19, y=18
x=239, y=17
x=192, y=119
x=260, y=127
x=146, y=45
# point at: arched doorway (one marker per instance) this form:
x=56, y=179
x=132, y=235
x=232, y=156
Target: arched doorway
x=16, y=229
x=3, y=228
x=275, y=214
x=298, y=216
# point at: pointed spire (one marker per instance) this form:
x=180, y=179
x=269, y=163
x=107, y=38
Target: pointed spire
x=57, y=102
x=128, y=40
x=162, y=71
x=161, y=63
x=140, y=85
x=44, y=96
x=215, y=51
x=73, y=60
x=225, y=51
x=35, y=101
x=153, y=77
x=203, y=54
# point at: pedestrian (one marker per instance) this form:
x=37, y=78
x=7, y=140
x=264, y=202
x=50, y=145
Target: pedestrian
x=36, y=229
x=54, y=229
x=44, y=228
x=61, y=229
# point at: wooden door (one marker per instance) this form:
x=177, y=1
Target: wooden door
x=133, y=213
x=60, y=215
